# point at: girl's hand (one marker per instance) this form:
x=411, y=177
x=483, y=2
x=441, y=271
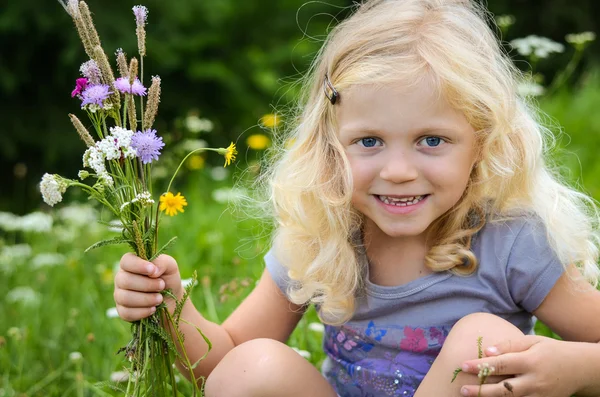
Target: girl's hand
x=138, y=284
x=542, y=367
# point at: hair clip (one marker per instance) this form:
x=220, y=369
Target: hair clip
x=334, y=96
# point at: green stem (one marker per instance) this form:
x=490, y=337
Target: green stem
x=183, y=161
x=562, y=77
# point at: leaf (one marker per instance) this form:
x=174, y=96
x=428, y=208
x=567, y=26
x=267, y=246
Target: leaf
x=162, y=249
x=456, y=372
x=110, y=241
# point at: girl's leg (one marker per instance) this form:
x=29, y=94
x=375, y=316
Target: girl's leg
x=265, y=368
x=460, y=346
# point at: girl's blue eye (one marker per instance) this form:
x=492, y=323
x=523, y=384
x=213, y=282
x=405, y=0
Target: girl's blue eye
x=368, y=142
x=432, y=141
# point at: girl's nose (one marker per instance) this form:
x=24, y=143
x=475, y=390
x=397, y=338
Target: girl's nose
x=399, y=168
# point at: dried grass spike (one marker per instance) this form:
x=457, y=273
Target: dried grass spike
x=153, y=101
x=131, y=113
x=86, y=17
x=133, y=70
x=107, y=75
x=82, y=131
x=122, y=63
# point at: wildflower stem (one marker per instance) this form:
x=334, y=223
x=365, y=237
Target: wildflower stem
x=563, y=76
x=183, y=161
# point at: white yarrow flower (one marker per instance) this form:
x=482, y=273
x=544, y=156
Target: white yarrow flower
x=52, y=189
x=303, y=353
x=112, y=313
x=75, y=356
x=540, y=46
x=316, y=327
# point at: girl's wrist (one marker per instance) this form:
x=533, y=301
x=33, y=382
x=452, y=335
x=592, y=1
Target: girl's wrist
x=587, y=367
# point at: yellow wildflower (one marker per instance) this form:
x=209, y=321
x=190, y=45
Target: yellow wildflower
x=258, y=141
x=171, y=204
x=270, y=120
x=195, y=162
x=230, y=154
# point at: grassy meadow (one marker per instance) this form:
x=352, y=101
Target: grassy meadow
x=58, y=335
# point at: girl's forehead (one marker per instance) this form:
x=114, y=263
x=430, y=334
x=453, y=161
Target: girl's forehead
x=392, y=104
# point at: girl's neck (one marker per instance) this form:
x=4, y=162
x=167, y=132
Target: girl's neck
x=394, y=260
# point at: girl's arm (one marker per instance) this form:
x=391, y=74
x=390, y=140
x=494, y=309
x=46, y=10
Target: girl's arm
x=265, y=313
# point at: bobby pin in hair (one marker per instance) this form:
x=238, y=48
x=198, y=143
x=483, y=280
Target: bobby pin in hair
x=334, y=96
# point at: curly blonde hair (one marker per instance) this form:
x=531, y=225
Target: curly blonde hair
x=403, y=41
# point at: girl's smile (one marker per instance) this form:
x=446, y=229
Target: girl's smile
x=401, y=204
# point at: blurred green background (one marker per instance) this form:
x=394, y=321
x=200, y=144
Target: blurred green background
x=227, y=68
x=229, y=61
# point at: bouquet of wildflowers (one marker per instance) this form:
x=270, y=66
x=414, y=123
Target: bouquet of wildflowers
x=119, y=164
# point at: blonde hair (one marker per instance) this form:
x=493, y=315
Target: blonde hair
x=403, y=41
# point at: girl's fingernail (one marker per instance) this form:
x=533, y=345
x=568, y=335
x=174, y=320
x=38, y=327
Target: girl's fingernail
x=150, y=268
x=465, y=368
x=464, y=391
x=492, y=350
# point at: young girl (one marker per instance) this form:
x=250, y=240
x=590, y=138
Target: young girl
x=415, y=210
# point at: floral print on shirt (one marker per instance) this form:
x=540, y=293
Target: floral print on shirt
x=372, y=361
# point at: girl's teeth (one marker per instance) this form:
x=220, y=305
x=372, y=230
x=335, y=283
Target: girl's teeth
x=401, y=202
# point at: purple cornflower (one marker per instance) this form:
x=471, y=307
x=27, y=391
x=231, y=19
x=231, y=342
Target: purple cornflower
x=91, y=71
x=147, y=145
x=141, y=15
x=122, y=84
x=96, y=94
x=80, y=85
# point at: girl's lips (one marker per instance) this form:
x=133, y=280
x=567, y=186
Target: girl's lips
x=406, y=209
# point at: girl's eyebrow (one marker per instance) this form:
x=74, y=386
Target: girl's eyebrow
x=418, y=131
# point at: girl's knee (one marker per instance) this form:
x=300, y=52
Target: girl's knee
x=249, y=368
x=488, y=326
x=462, y=341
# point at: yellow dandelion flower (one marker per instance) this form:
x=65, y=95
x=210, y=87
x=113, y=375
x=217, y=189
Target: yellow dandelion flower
x=270, y=120
x=171, y=204
x=230, y=154
x=258, y=141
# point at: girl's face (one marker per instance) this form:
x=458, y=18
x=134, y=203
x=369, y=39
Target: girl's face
x=410, y=152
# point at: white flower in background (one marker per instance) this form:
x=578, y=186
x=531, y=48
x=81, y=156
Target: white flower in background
x=192, y=144
x=75, y=357
x=15, y=252
x=225, y=195
x=303, y=353
x=36, y=222
x=186, y=281
x=112, y=313
x=316, y=327
x=505, y=21
x=529, y=88
x=33, y=222
x=25, y=295
x=52, y=188
x=219, y=173
x=78, y=214
x=48, y=259
x=9, y=221
x=119, y=377
x=195, y=124
x=541, y=47
x=580, y=40
x=115, y=226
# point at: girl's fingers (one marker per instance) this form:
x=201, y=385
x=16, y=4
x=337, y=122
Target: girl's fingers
x=509, y=387
x=136, y=282
x=134, y=264
x=132, y=299
x=135, y=314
